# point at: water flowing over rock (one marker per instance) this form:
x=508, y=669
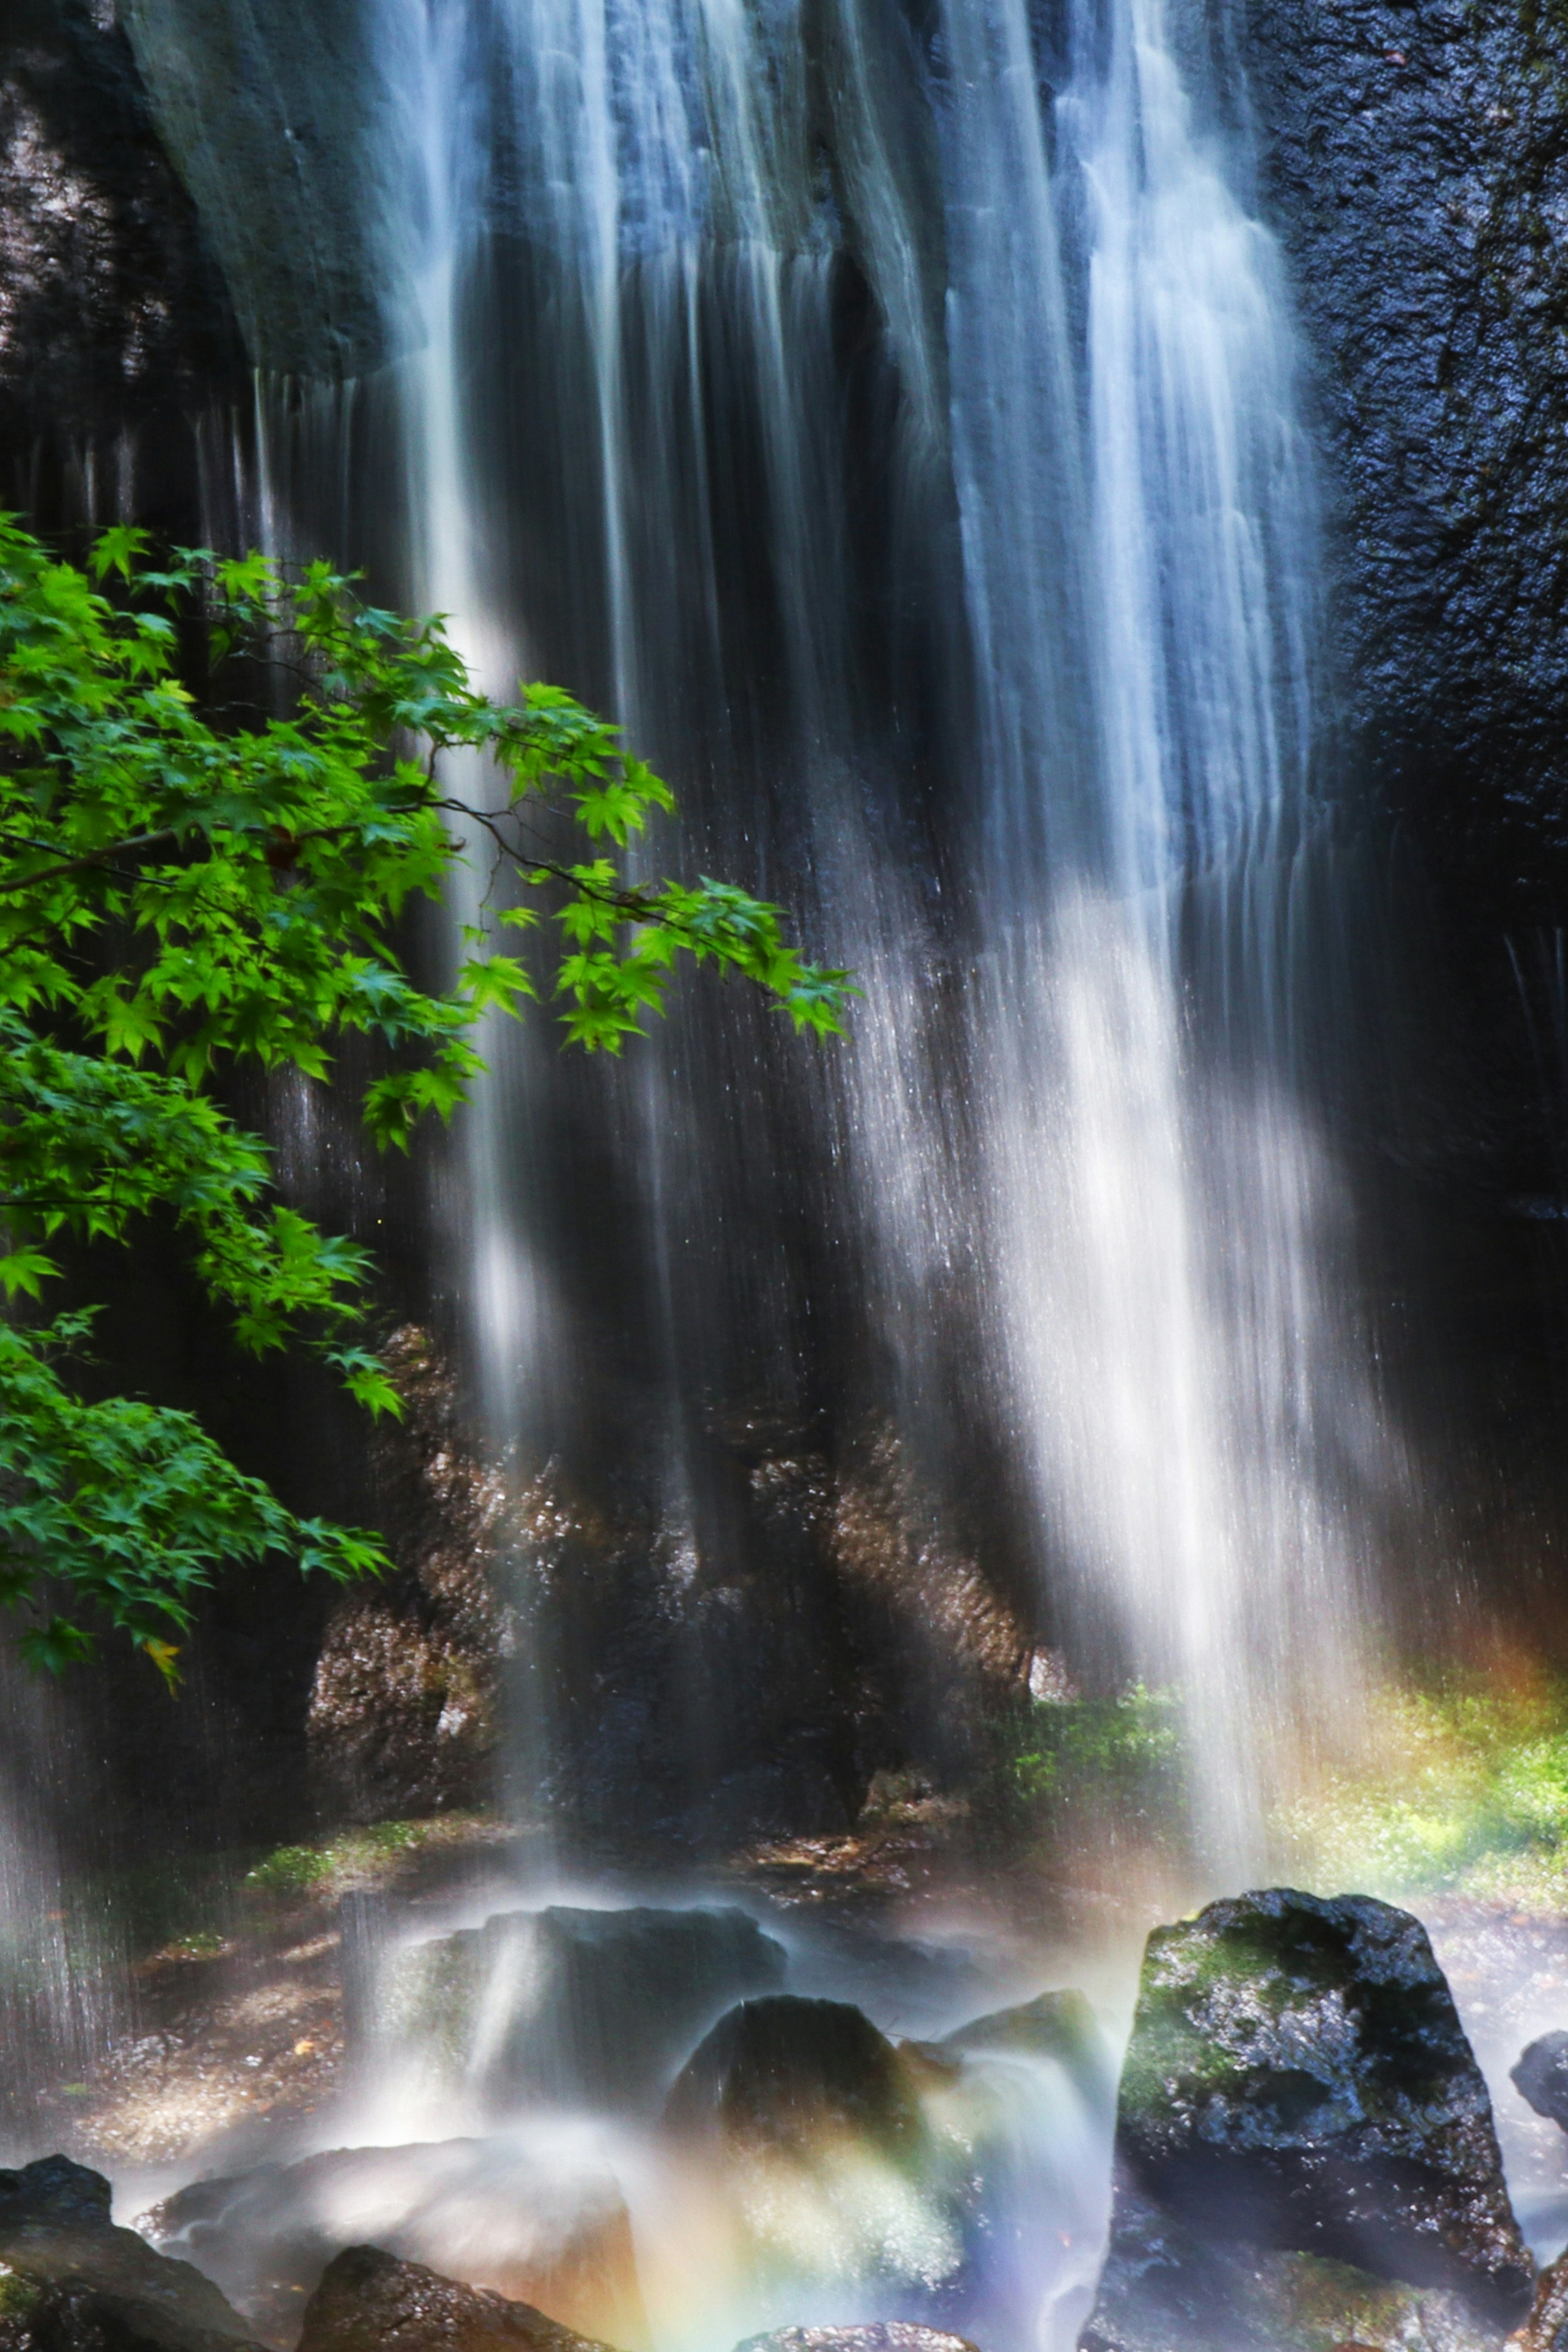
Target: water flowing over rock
x=1298, y=2083
x=535, y=2222
x=598, y=2006
x=787, y=2072
x=1058, y=2025
x=912, y=2179
x=370, y=2302
x=78, y=2283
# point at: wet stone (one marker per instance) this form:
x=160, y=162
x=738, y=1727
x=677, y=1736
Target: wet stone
x=1297, y=2083
x=74, y=2283
x=599, y=2005
x=1059, y=2025
x=1546, y=2329
x=546, y=2230
x=1541, y=2077
x=870, y=2335
x=787, y=2072
x=370, y=2302
x=1166, y=2289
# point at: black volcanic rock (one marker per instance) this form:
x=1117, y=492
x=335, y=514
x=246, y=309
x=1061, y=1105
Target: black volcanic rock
x=1541, y=2077
x=1297, y=2082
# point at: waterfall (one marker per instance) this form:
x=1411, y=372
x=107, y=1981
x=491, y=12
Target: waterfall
x=898, y=432
x=1169, y=1229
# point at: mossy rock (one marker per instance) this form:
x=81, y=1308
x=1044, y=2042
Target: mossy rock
x=1297, y=2082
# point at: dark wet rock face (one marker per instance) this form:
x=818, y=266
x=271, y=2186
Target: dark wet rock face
x=1541, y=2077
x=77, y=2284
x=403, y=1711
x=787, y=2072
x=597, y=2005
x=268, y=108
x=1298, y=2081
x=1167, y=2291
x=370, y=2302
x=114, y=318
x=1417, y=170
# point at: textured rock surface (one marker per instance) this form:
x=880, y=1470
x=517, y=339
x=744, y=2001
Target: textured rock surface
x=1546, y=2329
x=402, y=1718
x=788, y=2073
x=114, y=319
x=554, y=2233
x=1541, y=2077
x=602, y=2004
x=1298, y=2080
x=1059, y=2025
x=77, y=2284
x=370, y=2302
x=1416, y=168
x=267, y=108
x=870, y=2335
x=1166, y=2289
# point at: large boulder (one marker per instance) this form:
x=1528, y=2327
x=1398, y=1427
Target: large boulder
x=573, y=2005
x=541, y=2227
x=1298, y=2083
x=1541, y=2077
x=370, y=2302
x=909, y=2180
x=74, y=2283
x=1056, y=2025
x=790, y=2074
x=802, y=2131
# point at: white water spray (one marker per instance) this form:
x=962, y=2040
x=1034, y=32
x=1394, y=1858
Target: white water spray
x=1127, y=1172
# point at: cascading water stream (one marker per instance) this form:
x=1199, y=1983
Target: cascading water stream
x=1167, y=1220
x=624, y=267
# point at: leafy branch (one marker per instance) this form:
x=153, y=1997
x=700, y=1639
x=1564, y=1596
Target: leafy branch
x=187, y=883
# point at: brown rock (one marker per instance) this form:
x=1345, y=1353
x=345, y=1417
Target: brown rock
x=1546, y=2329
x=370, y=2302
x=547, y=2233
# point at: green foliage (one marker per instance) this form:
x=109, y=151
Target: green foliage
x=1463, y=1789
x=358, y=1858
x=1122, y=1755
x=188, y=882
